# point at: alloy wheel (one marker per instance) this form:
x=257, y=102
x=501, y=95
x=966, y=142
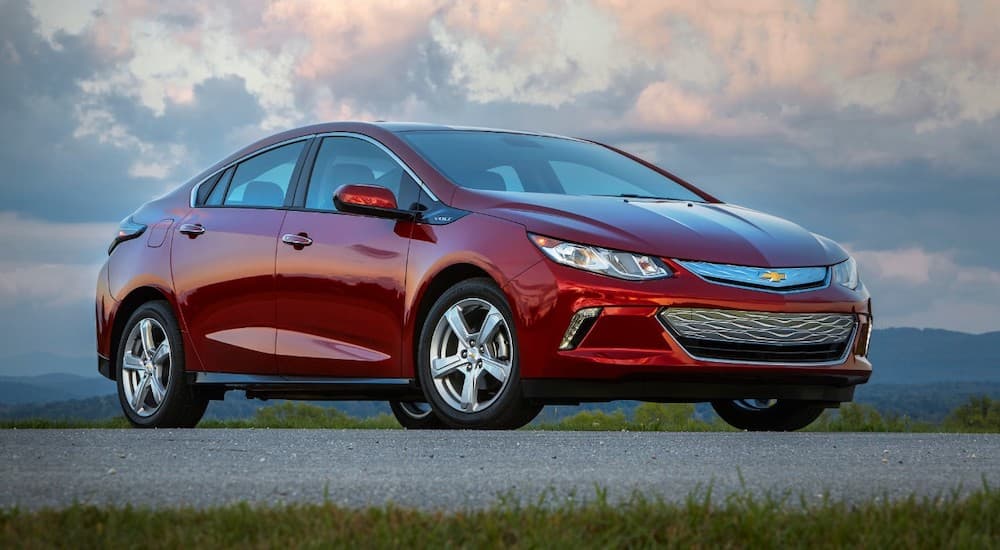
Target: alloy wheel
x=471, y=355
x=146, y=367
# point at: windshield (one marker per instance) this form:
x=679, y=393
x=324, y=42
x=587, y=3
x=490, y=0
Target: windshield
x=499, y=161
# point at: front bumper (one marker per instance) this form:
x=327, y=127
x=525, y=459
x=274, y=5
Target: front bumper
x=631, y=354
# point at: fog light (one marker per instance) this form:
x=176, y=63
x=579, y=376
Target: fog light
x=579, y=326
x=865, y=338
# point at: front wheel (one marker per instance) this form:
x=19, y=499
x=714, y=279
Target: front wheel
x=768, y=415
x=468, y=362
x=150, y=372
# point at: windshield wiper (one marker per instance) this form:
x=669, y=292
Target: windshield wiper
x=635, y=196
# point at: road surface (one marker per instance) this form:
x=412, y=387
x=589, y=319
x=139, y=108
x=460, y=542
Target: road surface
x=459, y=470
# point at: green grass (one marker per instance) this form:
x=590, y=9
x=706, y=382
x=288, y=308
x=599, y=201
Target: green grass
x=304, y=415
x=739, y=521
x=647, y=417
x=978, y=415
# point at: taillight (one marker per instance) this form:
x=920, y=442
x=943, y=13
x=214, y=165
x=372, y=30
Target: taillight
x=128, y=229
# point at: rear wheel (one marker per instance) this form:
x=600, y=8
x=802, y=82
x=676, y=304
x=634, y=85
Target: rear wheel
x=414, y=415
x=468, y=362
x=150, y=372
x=768, y=415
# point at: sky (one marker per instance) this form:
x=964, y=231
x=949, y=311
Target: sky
x=873, y=123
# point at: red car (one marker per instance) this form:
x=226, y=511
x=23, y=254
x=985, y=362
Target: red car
x=469, y=277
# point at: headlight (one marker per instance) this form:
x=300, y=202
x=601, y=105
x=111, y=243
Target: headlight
x=623, y=265
x=846, y=273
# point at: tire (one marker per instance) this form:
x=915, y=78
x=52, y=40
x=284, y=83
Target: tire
x=144, y=375
x=415, y=416
x=775, y=416
x=487, y=402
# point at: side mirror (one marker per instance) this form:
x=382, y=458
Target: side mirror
x=369, y=200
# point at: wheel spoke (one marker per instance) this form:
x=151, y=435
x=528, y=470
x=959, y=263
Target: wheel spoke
x=146, y=336
x=162, y=353
x=457, y=323
x=470, y=393
x=140, y=392
x=159, y=391
x=493, y=321
x=443, y=366
x=131, y=362
x=496, y=369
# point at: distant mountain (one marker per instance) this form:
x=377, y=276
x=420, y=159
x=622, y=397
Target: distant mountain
x=52, y=387
x=918, y=372
x=921, y=356
x=33, y=364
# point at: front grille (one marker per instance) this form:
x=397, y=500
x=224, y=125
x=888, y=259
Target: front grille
x=785, y=279
x=761, y=337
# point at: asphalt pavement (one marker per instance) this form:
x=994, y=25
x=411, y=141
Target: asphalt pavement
x=460, y=470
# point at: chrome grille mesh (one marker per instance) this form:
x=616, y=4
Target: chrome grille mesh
x=757, y=327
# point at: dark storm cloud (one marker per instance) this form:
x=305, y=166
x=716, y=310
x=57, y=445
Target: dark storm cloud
x=55, y=174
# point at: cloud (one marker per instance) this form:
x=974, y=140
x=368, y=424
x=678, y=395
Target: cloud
x=80, y=129
x=916, y=287
x=45, y=264
x=46, y=285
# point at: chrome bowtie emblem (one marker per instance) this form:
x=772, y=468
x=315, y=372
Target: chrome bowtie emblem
x=773, y=276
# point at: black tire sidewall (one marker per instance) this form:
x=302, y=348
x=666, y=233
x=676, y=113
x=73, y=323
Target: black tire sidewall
x=784, y=416
x=175, y=380
x=506, y=411
x=408, y=421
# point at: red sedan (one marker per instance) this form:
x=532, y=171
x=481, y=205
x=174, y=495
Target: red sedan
x=469, y=277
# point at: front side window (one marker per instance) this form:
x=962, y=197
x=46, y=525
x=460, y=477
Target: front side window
x=263, y=180
x=347, y=160
x=503, y=161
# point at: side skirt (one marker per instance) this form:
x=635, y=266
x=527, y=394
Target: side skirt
x=307, y=388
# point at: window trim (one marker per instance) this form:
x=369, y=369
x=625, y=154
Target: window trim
x=308, y=159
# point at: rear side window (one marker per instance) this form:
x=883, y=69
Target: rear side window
x=204, y=189
x=219, y=191
x=263, y=180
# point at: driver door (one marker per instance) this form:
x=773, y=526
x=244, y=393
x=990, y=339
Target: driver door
x=340, y=298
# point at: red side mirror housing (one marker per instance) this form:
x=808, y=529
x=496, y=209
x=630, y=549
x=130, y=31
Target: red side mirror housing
x=369, y=200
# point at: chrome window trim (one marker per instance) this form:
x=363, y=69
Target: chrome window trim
x=194, y=190
x=753, y=286
x=848, y=349
x=387, y=151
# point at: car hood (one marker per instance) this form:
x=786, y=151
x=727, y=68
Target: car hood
x=710, y=232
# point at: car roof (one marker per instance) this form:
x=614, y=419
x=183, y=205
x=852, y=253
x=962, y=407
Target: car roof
x=397, y=127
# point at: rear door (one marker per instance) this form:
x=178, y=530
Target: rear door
x=340, y=299
x=223, y=262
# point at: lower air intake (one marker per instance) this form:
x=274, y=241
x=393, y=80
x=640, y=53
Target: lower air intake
x=761, y=337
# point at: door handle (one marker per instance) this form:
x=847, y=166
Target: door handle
x=191, y=229
x=298, y=241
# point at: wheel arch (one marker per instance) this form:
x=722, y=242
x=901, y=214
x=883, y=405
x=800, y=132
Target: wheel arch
x=133, y=301
x=434, y=288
